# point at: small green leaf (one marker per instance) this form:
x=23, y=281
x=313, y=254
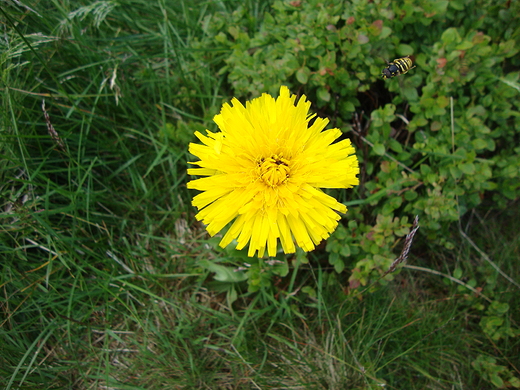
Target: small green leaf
x=410, y=195
x=512, y=84
x=311, y=292
x=345, y=250
x=457, y=273
x=223, y=273
x=499, y=307
x=459, y=5
x=302, y=75
x=379, y=149
x=348, y=106
x=451, y=35
x=496, y=380
x=339, y=266
x=404, y=49
x=465, y=45
x=435, y=126
x=281, y=268
x=514, y=382
x=323, y=94
x=467, y=168
x=479, y=143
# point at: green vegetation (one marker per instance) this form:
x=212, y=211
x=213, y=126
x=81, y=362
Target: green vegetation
x=107, y=280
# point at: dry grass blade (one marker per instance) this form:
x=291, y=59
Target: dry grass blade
x=406, y=248
x=402, y=257
x=431, y=271
x=52, y=132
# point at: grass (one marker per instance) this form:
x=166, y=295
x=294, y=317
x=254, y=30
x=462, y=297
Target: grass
x=100, y=281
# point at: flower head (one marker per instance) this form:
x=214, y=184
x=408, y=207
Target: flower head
x=264, y=170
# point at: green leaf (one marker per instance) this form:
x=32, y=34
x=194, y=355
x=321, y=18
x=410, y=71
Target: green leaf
x=345, y=250
x=410, y=195
x=302, y=75
x=232, y=296
x=499, y=307
x=323, y=94
x=451, y=35
x=348, y=106
x=457, y=4
x=514, y=382
x=281, y=268
x=223, y=273
x=339, y=266
x=467, y=168
x=336, y=261
x=439, y=6
x=465, y=45
x=311, y=292
x=479, y=144
x=379, y=149
x=496, y=380
x=512, y=84
x=404, y=49
x=457, y=273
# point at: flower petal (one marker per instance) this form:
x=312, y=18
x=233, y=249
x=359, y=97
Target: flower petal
x=263, y=173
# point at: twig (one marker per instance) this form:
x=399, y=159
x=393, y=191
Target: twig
x=431, y=271
x=486, y=257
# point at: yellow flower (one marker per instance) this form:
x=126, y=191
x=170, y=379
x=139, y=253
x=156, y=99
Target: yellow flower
x=264, y=171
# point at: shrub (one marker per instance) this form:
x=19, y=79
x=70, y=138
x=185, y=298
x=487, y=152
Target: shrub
x=435, y=142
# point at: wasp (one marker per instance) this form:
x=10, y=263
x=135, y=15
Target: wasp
x=397, y=67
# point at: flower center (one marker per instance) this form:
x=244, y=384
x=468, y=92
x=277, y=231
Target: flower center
x=274, y=170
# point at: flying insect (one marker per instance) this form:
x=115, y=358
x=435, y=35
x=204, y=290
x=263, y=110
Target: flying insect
x=397, y=67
